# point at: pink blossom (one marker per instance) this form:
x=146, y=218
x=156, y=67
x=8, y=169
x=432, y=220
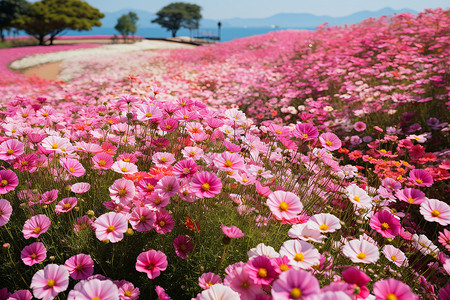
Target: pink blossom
x=390, y=288
x=11, y=149
x=385, y=223
x=35, y=226
x=151, y=262
x=122, y=191
x=80, y=266
x=33, y=253
x=420, y=177
x=232, y=232
x=284, y=205
x=94, y=289
x=80, y=187
x=5, y=211
x=102, y=161
x=50, y=281
x=142, y=219
x=8, y=181
x=206, y=280
x=295, y=284
x=73, y=166
x=330, y=141
x=65, y=205
x=206, y=185
x=435, y=211
x=111, y=226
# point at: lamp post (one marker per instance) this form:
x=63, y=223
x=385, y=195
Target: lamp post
x=219, y=25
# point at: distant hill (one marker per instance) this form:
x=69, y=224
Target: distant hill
x=282, y=20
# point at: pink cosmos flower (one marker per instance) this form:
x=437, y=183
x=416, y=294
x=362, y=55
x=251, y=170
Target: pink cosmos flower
x=238, y=278
x=324, y=223
x=435, y=211
x=395, y=255
x=391, y=288
x=163, y=159
x=156, y=201
x=57, y=144
x=168, y=186
x=410, y=195
x=358, y=196
x=73, y=166
x=142, y=218
x=4, y=294
x=80, y=266
x=208, y=279
x=218, y=292
x=82, y=223
x=102, y=161
x=8, y=181
x=146, y=186
x=147, y=112
x=80, y=187
x=183, y=246
x=361, y=251
x=33, y=254
x=359, y=126
x=330, y=141
x=385, y=223
x=185, y=168
x=111, y=226
x=420, y=177
x=232, y=232
x=168, y=125
x=444, y=239
x=65, y=205
x=227, y=161
x=5, y=211
x=94, y=289
x=49, y=196
x=162, y=295
x=284, y=205
x=305, y=131
x=305, y=233
x=206, y=184
x=11, y=149
x=151, y=262
x=50, y=281
x=164, y=222
x=295, y=284
x=20, y=295
x=194, y=153
x=35, y=226
x=300, y=253
x=353, y=275
x=261, y=270
x=122, y=191
x=127, y=291
x=122, y=167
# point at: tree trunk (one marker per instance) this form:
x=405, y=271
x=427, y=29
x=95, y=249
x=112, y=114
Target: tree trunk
x=174, y=33
x=2, y=35
x=41, y=40
x=51, y=39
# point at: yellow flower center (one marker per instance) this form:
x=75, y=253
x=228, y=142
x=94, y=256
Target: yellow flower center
x=148, y=115
x=284, y=267
x=305, y=135
x=168, y=127
x=142, y=219
x=101, y=163
x=410, y=200
x=394, y=258
x=122, y=192
x=163, y=159
x=329, y=143
x=186, y=171
x=157, y=201
x=124, y=169
x=67, y=205
x=361, y=255
x=55, y=146
x=262, y=273
x=96, y=298
x=71, y=170
x=278, y=132
x=299, y=257
x=127, y=293
x=37, y=229
x=384, y=226
x=435, y=213
x=419, y=181
x=150, y=187
x=283, y=206
x=162, y=223
x=391, y=297
x=185, y=117
x=4, y=182
x=51, y=283
x=169, y=188
x=45, y=114
x=228, y=163
x=10, y=151
x=110, y=228
x=356, y=198
x=79, y=267
x=324, y=227
x=192, y=153
x=33, y=256
x=206, y=186
x=296, y=293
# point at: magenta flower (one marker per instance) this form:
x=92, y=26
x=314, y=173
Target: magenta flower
x=305, y=131
x=80, y=266
x=151, y=262
x=435, y=211
x=385, y=223
x=183, y=246
x=261, y=270
x=127, y=291
x=232, y=232
x=206, y=185
x=164, y=222
x=73, y=166
x=111, y=226
x=11, y=149
x=284, y=205
x=8, y=181
x=392, y=289
x=353, y=275
x=142, y=218
x=5, y=211
x=444, y=239
x=65, y=205
x=168, y=186
x=162, y=295
x=185, y=168
x=330, y=141
x=80, y=187
x=238, y=279
x=360, y=126
x=208, y=279
x=49, y=196
x=295, y=284
x=147, y=112
x=420, y=177
x=102, y=161
x=35, y=226
x=94, y=289
x=168, y=125
x=21, y=295
x=50, y=281
x=227, y=161
x=410, y=195
x=33, y=254
x=122, y=191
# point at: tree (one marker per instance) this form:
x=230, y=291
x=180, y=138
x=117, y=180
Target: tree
x=10, y=10
x=127, y=24
x=177, y=15
x=53, y=17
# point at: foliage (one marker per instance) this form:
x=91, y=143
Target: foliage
x=127, y=24
x=52, y=17
x=178, y=15
x=10, y=10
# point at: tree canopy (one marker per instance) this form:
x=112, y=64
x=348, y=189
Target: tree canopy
x=10, y=10
x=177, y=15
x=127, y=24
x=53, y=17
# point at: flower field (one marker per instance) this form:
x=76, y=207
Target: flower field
x=290, y=165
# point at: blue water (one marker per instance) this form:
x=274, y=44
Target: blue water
x=227, y=34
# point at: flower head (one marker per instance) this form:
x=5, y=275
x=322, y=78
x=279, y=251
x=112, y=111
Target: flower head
x=80, y=266
x=295, y=284
x=33, y=254
x=151, y=262
x=8, y=181
x=73, y=166
x=392, y=289
x=35, y=226
x=361, y=251
x=5, y=211
x=284, y=205
x=206, y=184
x=385, y=223
x=183, y=246
x=50, y=281
x=435, y=211
x=111, y=226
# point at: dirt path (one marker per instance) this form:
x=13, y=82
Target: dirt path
x=47, y=71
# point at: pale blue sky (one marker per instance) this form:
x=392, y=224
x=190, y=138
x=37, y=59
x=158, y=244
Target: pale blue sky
x=224, y=9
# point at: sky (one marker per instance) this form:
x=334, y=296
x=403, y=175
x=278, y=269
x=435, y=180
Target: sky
x=225, y=9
